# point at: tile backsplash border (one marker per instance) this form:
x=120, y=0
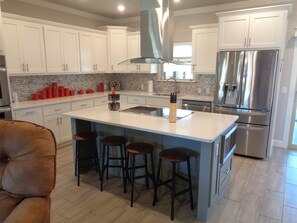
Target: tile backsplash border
x=25, y=86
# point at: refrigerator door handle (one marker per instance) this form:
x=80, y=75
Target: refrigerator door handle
x=251, y=128
x=244, y=75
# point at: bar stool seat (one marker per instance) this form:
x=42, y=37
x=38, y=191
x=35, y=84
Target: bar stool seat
x=174, y=156
x=113, y=141
x=136, y=149
x=84, y=138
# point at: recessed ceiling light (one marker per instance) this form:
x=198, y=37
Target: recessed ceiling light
x=176, y=1
x=121, y=8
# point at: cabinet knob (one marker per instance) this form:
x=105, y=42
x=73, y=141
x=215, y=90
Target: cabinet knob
x=67, y=66
x=27, y=65
x=64, y=67
x=23, y=67
x=96, y=67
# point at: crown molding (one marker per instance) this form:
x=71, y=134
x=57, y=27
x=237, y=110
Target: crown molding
x=200, y=10
x=68, y=10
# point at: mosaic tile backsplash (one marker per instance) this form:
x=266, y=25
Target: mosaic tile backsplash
x=25, y=86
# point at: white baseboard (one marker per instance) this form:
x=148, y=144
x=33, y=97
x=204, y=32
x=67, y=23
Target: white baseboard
x=279, y=144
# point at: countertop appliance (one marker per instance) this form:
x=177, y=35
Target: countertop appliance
x=245, y=86
x=196, y=105
x=158, y=112
x=5, y=109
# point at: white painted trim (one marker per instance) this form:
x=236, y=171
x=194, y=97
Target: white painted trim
x=284, y=7
x=291, y=96
x=205, y=26
x=295, y=35
x=68, y=10
x=279, y=144
x=199, y=10
x=46, y=22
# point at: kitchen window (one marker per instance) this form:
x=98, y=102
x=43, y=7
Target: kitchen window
x=182, y=52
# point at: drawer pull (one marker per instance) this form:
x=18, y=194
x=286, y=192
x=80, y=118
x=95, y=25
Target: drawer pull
x=83, y=105
x=29, y=112
x=58, y=109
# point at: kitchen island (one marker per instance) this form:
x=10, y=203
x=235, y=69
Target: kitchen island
x=200, y=133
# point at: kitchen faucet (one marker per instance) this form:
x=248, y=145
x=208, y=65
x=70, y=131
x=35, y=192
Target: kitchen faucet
x=175, y=86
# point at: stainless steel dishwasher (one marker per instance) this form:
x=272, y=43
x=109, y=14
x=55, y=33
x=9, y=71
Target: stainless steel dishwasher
x=196, y=105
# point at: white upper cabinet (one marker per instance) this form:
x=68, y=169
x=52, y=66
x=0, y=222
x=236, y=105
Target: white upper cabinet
x=134, y=51
x=24, y=47
x=253, y=30
x=204, y=48
x=62, y=50
x=117, y=48
x=93, y=52
x=1, y=35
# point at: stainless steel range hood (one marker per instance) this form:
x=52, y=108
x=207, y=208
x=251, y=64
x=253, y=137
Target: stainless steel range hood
x=156, y=30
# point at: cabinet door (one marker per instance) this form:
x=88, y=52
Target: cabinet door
x=65, y=129
x=204, y=50
x=100, y=52
x=13, y=48
x=215, y=180
x=134, y=51
x=117, y=50
x=86, y=48
x=30, y=115
x=33, y=48
x=266, y=30
x=53, y=49
x=53, y=123
x=71, y=51
x=233, y=32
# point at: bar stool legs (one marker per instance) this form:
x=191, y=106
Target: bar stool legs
x=115, y=141
x=136, y=149
x=91, y=138
x=174, y=156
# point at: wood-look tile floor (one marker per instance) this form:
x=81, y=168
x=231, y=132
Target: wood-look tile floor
x=260, y=191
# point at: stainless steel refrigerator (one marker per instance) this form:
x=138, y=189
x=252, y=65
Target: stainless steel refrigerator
x=245, y=86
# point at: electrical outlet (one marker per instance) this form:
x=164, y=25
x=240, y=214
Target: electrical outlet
x=207, y=91
x=199, y=90
x=141, y=87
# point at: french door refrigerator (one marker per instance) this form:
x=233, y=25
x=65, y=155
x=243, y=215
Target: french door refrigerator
x=245, y=86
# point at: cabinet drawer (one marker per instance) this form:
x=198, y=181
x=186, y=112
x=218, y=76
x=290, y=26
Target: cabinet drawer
x=100, y=101
x=56, y=109
x=226, y=170
x=30, y=115
x=81, y=104
x=136, y=100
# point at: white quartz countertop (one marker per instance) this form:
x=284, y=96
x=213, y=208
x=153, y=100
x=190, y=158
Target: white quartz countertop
x=45, y=102
x=200, y=126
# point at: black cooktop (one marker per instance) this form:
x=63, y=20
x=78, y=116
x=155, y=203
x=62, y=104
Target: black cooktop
x=158, y=112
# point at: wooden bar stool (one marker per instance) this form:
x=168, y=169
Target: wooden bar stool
x=88, y=137
x=174, y=156
x=136, y=149
x=114, y=141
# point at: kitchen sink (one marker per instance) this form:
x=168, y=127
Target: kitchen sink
x=166, y=94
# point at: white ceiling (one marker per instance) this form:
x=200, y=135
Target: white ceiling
x=108, y=8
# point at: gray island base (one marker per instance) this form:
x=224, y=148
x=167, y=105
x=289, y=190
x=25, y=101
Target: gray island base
x=209, y=174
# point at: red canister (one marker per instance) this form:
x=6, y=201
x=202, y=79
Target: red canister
x=101, y=87
x=55, y=89
x=66, y=93
x=71, y=92
x=61, y=89
x=43, y=94
x=49, y=92
x=35, y=96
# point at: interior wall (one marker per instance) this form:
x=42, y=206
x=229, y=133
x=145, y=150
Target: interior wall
x=23, y=9
x=285, y=78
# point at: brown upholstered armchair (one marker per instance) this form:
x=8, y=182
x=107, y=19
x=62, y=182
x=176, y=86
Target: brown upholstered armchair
x=27, y=172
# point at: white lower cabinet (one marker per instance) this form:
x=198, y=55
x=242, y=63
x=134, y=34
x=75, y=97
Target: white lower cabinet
x=136, y=100
x=30, y=115
x=55, y=121
x=77, y=105
x=100, y=101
